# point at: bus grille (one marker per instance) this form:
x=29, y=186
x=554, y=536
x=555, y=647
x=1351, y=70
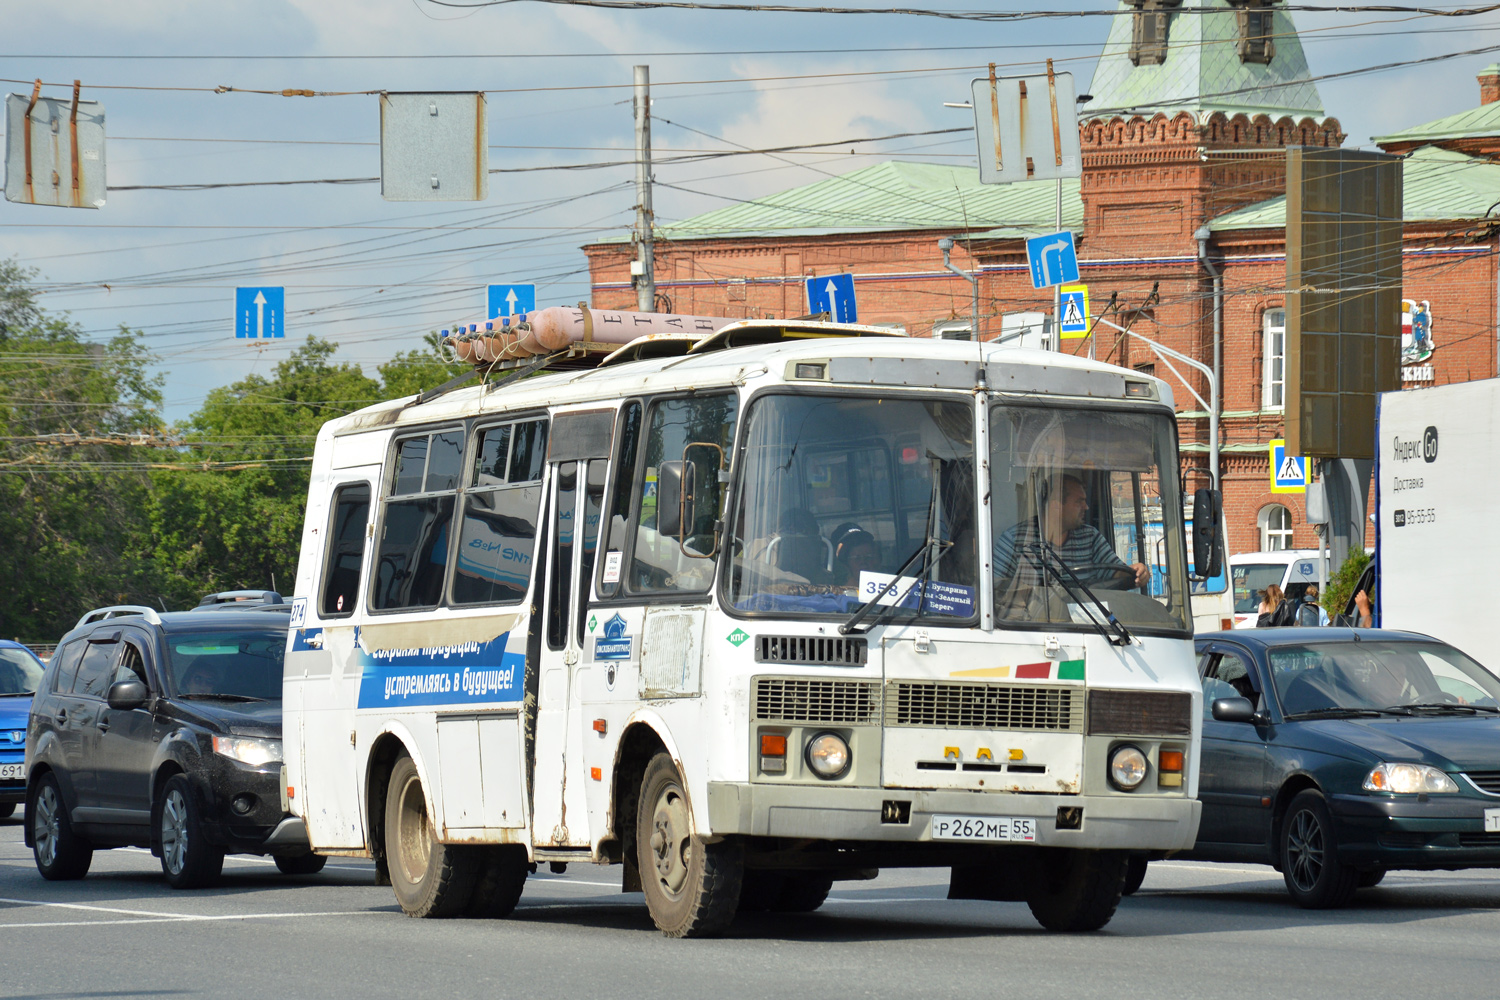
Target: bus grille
x=1141, y=713
x=811, y=650
x=805, y=699
x=947, y=705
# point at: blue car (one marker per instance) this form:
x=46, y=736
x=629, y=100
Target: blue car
x=20, y=673
x=1337, y=754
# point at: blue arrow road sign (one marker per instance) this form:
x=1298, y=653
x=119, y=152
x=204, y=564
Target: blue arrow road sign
x=259, y=312
x=833, y=294
x=507, y=300
x=1053, y=260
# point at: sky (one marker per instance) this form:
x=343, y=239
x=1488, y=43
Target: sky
x=374, y=276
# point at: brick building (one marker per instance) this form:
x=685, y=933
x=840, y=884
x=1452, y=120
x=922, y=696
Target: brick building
x=1183, y=137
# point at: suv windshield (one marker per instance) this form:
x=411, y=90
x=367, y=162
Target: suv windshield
x=1379, y=675
x=20, y=672
x=234, y=665
x=837, y=493
x=1250, y=579
x=1085, y=501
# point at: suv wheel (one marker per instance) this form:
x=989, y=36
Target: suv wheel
x=187, y=858
x=60, y=853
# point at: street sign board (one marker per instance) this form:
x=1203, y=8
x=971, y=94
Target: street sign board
x=1074, y=307
x=833, y=294
x=1027, y=127
x=259, y=312
x=50, y=169
x=508, y=300
x=434, y=147
x=1288, y=472
x=1053, y=260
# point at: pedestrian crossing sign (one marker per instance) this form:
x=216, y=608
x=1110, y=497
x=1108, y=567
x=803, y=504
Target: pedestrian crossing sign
x=1073, y=311
x=1288, y=472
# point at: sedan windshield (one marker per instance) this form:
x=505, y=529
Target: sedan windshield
x=236, y=666
x=1406, y=677
x=20, y=672
x=1086, y=517
x=841, y=496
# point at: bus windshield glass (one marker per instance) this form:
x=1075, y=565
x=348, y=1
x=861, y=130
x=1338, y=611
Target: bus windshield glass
x=842, y=495
x=1085, y=502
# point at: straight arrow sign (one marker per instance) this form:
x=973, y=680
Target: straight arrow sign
x=259, y=313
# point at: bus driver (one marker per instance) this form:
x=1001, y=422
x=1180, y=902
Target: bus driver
x=1079, y=545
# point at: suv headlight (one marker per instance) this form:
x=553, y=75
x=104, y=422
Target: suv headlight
x=1408, y=778
x=246, y=750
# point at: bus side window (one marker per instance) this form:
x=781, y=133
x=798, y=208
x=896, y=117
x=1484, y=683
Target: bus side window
x=616, y=533
x=559, y=575
x=412, y=559
x=661, y=563
x=498, y=531
x=346, y=550
x=593, y=504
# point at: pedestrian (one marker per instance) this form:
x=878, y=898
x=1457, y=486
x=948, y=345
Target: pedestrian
x=1274, y=608
x=1309, y=612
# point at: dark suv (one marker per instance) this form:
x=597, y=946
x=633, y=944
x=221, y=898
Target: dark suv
x=163, y=731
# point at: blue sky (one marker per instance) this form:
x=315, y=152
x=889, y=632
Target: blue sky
x=375, y=275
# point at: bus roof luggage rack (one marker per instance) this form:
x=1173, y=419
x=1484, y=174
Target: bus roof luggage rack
x=755, y=332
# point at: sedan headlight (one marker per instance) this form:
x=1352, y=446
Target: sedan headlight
x=1408, y=778
x=828, y=755
x=246, y=750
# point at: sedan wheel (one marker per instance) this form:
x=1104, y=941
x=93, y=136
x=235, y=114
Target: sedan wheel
x=1310, y=862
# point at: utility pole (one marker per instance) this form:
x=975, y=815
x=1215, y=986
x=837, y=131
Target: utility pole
x=643, y=268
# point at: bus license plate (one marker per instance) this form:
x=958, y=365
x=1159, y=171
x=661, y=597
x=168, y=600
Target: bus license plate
x=9, y=771
x=987, y=828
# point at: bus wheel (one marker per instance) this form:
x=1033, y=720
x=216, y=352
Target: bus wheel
x=431, y=879
x=803, y=892
x=1075, y=890
x=1135, y=873
x=692, y=888
x=502, y=876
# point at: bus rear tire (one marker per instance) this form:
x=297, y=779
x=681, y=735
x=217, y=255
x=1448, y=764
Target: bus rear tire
x=692, y=888
x=430, y=878
x=1075, y=890
x=498, y=885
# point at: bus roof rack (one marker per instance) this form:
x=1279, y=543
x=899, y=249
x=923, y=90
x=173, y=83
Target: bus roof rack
x=99, y=614
x=654, y=345
x=755, y=332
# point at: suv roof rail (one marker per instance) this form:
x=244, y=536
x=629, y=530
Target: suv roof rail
x=238, y=597
x=99, y=614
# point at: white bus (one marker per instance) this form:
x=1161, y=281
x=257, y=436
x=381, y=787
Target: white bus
x=798, y=603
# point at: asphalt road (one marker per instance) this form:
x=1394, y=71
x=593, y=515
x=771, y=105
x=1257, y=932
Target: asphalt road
x=1192, y=931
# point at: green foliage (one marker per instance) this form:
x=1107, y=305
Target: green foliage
x=100, y=504
x=1341, y=587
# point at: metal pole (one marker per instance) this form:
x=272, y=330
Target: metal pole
x=1213, y=414
x=946, y=245
x=645, y=276
x=1057, y=289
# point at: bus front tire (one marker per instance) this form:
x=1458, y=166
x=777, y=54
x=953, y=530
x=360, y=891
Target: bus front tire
x=1075, y=890
x=430, y=878
x=692, y=888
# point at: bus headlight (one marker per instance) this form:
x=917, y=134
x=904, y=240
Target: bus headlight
x=1127, y=767
x=828, y=755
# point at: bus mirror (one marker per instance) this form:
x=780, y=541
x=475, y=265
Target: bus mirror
x=674, y=497
x=1208, y=533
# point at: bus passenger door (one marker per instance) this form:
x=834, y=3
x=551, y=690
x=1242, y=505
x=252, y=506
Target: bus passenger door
x=559, y=807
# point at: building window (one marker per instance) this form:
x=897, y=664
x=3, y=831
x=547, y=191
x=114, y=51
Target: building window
x=1275, y=528
x=953, y=329
x=1273, y=379
x=1148, y=40
x=1256, y=20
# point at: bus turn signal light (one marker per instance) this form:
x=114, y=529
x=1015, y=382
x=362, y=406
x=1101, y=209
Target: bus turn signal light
x=773, y=752
x=1169, y=769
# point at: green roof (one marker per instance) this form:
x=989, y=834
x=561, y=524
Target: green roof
x=891, y=197
x=1437, y=184
x=1203, y=72
x=1474, y=123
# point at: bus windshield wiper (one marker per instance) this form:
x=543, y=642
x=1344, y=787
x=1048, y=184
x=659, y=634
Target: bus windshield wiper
x=931, y=551
x=1045, y=558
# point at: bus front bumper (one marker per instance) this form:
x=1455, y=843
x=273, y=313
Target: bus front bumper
x=1135, y=822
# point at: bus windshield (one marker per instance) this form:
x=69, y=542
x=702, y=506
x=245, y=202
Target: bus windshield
x=1085, y=501
x=842, y=495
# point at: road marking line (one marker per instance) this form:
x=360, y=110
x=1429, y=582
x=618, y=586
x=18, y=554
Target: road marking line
x=186, y=919
x=84, y=906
